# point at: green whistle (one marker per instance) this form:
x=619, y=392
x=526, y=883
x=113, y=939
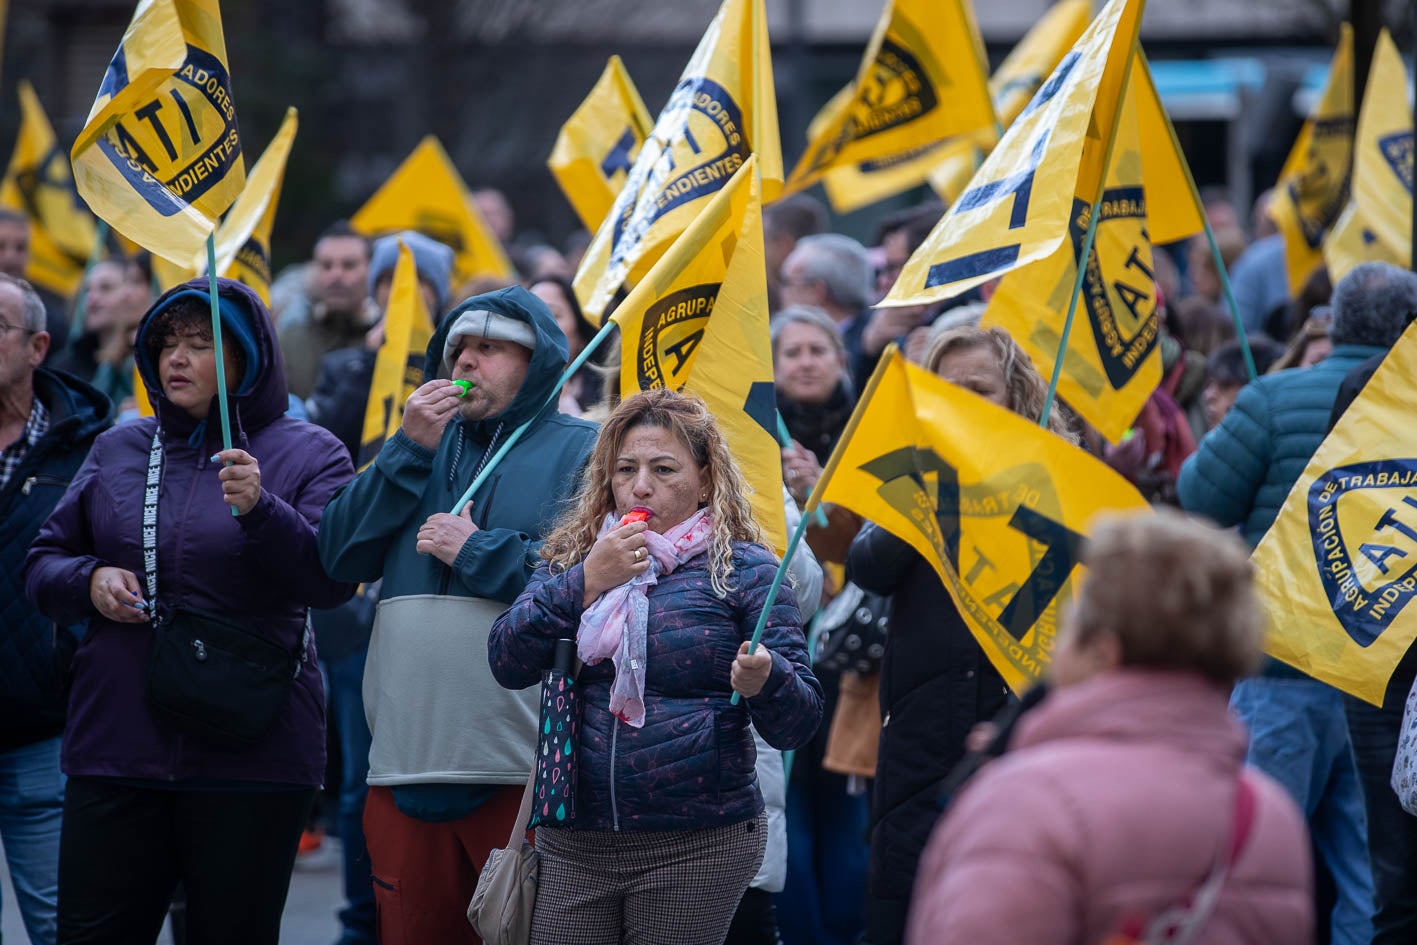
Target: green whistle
x=465, y=385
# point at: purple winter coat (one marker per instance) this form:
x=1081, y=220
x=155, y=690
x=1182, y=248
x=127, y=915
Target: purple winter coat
x=259, y=569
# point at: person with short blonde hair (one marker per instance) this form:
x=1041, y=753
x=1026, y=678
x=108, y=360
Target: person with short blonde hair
x=1125, y=791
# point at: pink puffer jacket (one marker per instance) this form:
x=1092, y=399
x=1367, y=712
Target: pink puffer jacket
x=1116, y=801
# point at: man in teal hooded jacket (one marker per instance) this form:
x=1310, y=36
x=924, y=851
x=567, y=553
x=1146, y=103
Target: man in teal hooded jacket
x=450, y=746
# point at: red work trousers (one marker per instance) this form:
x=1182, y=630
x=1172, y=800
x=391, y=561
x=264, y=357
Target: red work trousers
x=425, y=874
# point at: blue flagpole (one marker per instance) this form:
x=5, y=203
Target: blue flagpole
x=217, y=350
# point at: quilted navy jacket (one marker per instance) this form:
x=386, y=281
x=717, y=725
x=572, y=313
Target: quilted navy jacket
x=692, y=764
x=1246, y=466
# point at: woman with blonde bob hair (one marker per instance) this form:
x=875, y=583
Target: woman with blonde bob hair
x=936, y=683
x=669, y=826
x=1124, y=805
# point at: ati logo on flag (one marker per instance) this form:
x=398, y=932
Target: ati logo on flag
x=1007, y=560
x=49, y=180
x=185, y=139
x=670, y=334
x=895, y=91
x=1366, y=590
x=703, y=143
x=252, y=255
x=1318, y=195
x=1121, y=302
x=1397, y=151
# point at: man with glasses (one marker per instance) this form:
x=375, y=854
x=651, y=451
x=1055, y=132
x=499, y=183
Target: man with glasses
x=48, y=421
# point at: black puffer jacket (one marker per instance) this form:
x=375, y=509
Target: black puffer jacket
x=936, y=683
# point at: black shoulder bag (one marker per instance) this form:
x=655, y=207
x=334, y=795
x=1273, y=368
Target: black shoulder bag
x=208, y=677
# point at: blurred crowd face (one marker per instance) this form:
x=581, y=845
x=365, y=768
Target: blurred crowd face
x=21, y=349
x=794, y=288
x=555, y=299
x=808, y=365
x=975, y=369
x=106, y=297
x=14, y=248
x=341, y=272
x=1218, y=397
x=897, y=253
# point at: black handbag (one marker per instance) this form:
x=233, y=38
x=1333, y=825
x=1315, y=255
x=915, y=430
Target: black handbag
x=208, y=676
x=853, y=627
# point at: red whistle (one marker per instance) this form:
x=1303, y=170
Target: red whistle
x=638, y=514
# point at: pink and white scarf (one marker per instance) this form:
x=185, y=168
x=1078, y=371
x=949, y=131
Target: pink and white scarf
x=616, y=625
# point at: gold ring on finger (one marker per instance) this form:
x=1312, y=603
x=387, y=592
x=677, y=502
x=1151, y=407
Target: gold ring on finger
x=639, y=554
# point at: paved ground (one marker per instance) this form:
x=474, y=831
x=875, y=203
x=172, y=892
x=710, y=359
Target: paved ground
x=315, y=895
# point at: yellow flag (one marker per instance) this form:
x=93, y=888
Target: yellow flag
x=723, y=109
x=997, y=505
x=1022, y=72
x=243, y=242
x=140, y=395
x=426, y=193
x=1011, y=87
x=160, y=155
x=1173, y=206
x=1113, y=361
x=699, y=322
x=1377, y=224
x=1338, y=570
x=598, y=144
x=1313, y=185
x=921, y=81
x=1016, y=208
x=398, y=369
x=954, y=165
x=39, y=184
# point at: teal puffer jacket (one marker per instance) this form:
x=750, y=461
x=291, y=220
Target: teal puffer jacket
x=1245, y=467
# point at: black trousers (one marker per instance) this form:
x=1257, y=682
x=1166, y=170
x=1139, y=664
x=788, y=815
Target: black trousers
x=122, y=851
x=1392, y=832
x=755, y=922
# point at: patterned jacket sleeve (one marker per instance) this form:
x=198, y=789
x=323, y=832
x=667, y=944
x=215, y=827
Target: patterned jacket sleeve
x=789, y=708
x=523, y=640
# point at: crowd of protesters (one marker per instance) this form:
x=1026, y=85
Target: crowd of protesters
x=1167, y=766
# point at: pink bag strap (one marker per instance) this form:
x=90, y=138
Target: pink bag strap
x=1183, y=923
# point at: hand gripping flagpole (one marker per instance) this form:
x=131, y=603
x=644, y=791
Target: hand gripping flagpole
x=512, y=440
x=1087, y=242
x=814, y=500
x=217, y=348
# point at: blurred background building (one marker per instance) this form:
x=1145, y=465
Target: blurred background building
x=494, y=79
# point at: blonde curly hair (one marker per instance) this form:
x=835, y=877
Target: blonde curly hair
x=1026, y=387
x=686, y=416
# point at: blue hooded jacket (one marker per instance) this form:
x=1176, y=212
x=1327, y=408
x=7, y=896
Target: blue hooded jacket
x=437, y=716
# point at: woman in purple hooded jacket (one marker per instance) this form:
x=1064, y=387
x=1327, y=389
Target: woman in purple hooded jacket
x=148, y=806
